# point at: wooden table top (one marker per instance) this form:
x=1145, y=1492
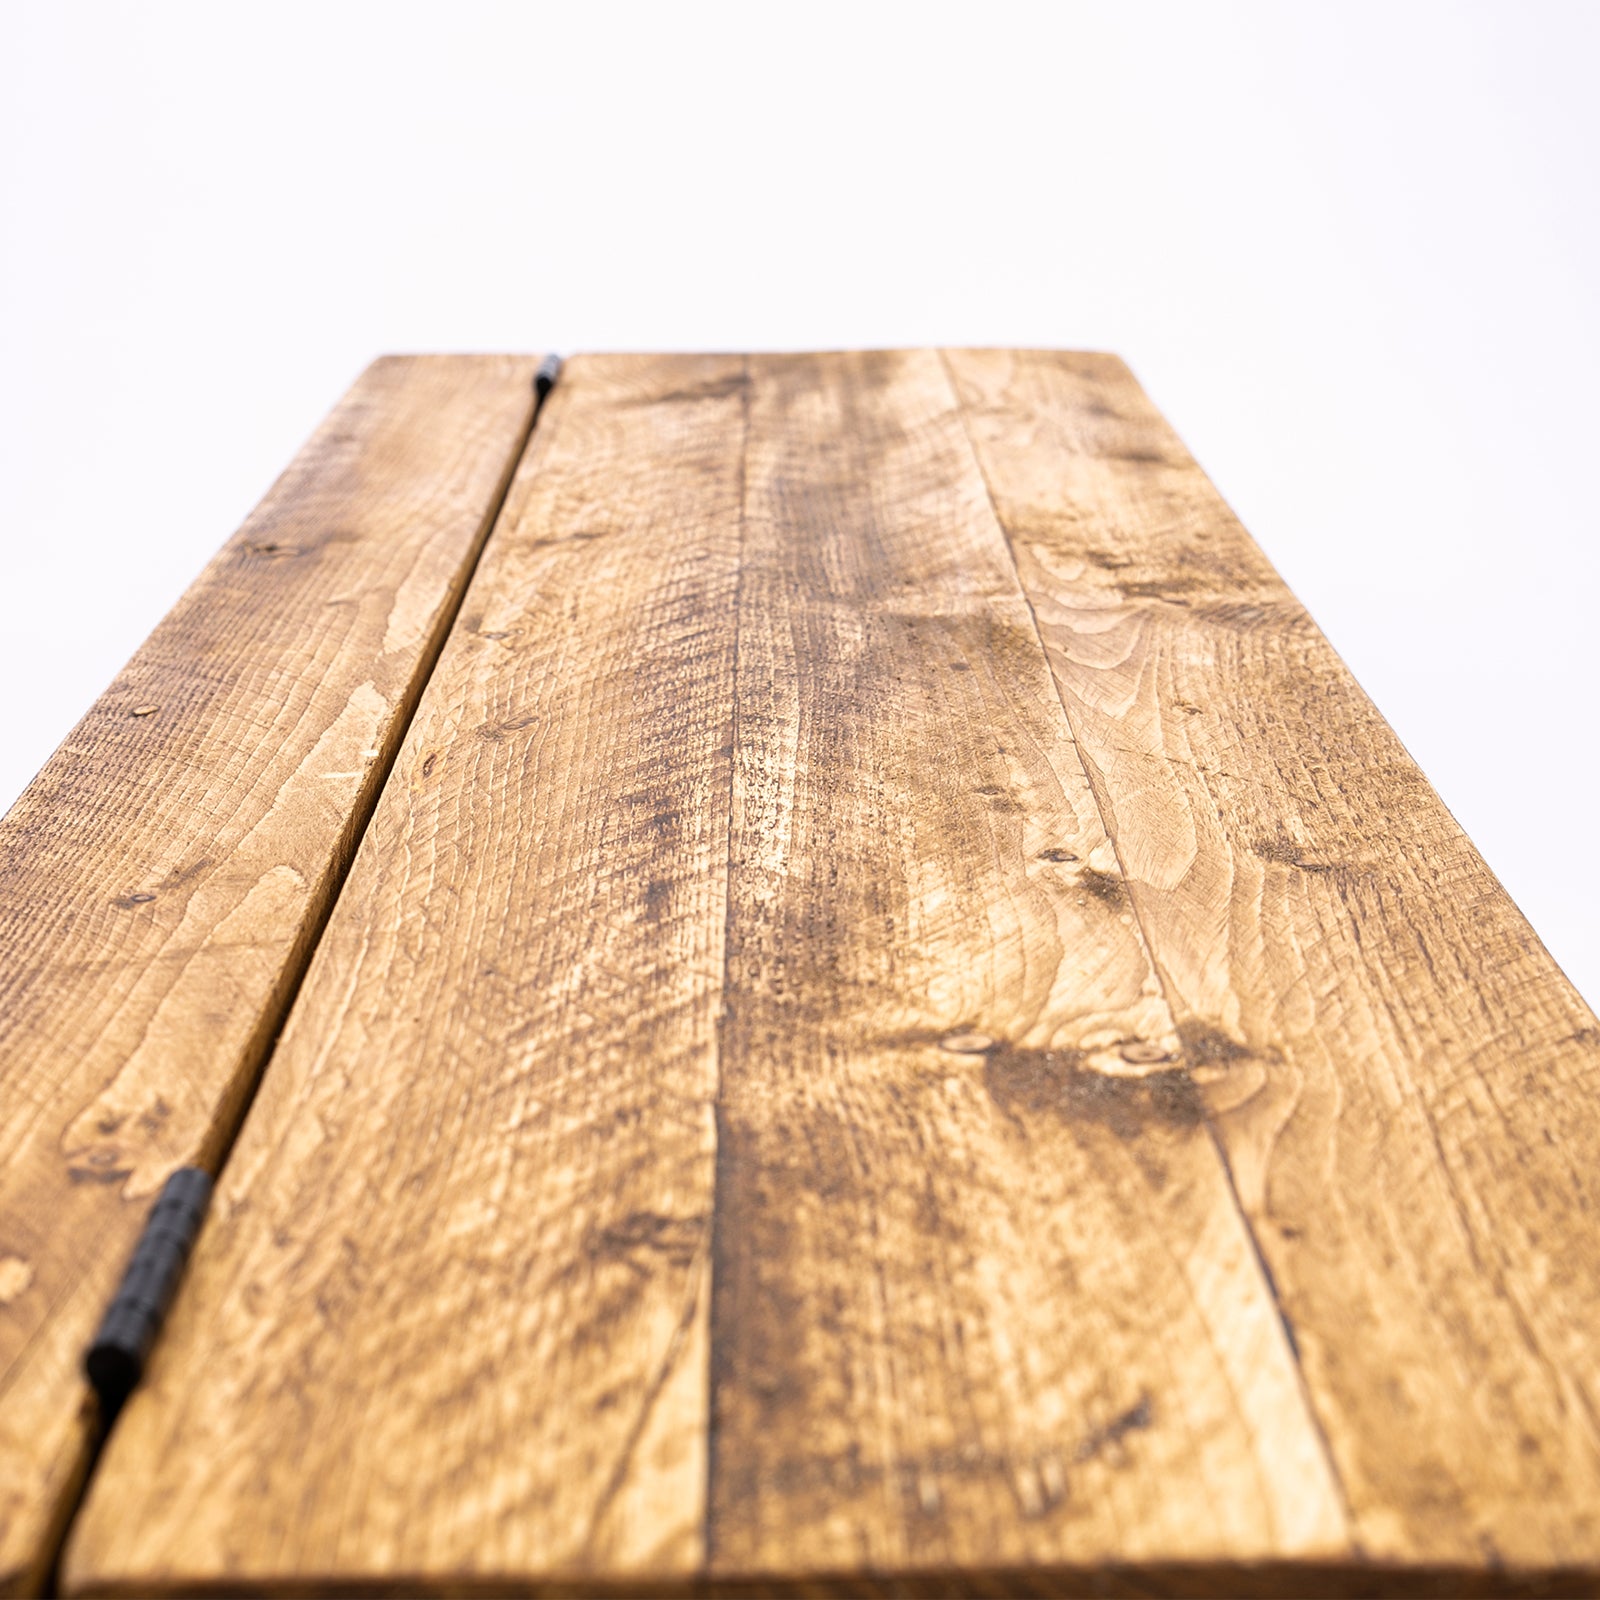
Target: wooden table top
x=801, y=972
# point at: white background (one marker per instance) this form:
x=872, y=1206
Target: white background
x=1351, y=250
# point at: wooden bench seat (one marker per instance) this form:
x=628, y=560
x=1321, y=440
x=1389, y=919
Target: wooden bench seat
x=801, y=975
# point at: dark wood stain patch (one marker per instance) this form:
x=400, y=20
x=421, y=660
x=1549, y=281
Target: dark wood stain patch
x=1031, y=1083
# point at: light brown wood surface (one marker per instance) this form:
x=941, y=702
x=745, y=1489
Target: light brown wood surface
x=901, y=1026
x=162, y=879
x=1407, y=1088
x=981, y=1295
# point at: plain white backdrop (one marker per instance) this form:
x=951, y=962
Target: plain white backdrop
x=1351, y=250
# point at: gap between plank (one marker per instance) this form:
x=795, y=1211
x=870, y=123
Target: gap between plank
x=218, y=1145
x=707, y=1523
x=1096, y=789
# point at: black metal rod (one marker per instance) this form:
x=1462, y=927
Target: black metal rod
x=115, y=1361
x=544, y=380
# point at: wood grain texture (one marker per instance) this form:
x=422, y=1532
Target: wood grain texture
x=448, y=1323
x=161, y=879
x=901, y=1027
x=1405, y=1084
x=982, y=1299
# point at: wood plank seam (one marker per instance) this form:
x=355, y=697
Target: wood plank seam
x=216, y=1148
x=1097, y=788
x=216, y=1154
x=719, y=1113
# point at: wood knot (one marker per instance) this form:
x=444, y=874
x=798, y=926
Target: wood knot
x=967, y=1044
x=15, y=1276
x=1143, y=1052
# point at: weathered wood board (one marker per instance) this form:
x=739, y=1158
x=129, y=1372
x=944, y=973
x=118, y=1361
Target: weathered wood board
x=982, y=1299
x=901, y=1025
x=163, y=879
x=1406, y=1087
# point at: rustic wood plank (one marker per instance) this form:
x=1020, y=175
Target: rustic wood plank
x=1403, y=1080
x=162, y=878
x=449, y=1320
x=982, y=1298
